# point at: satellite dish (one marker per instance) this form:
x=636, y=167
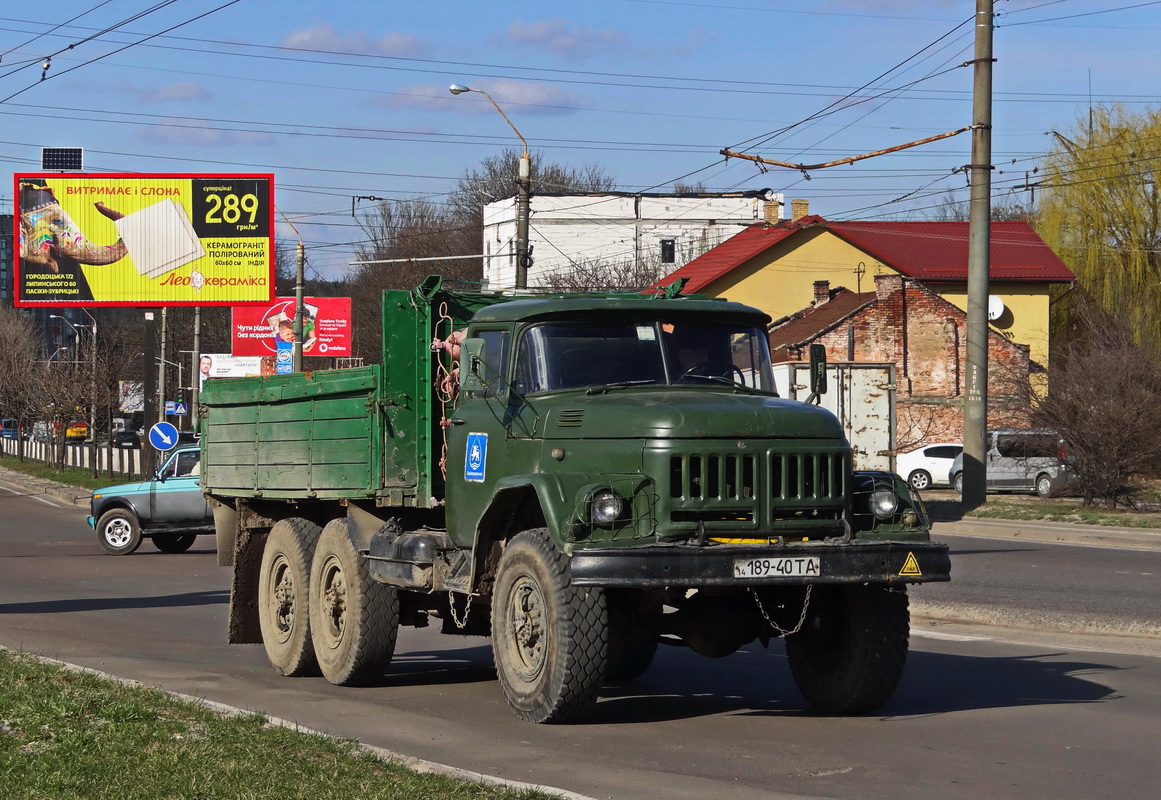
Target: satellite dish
x=995, y=308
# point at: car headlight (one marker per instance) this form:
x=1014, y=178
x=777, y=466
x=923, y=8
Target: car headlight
x=883, y=503
x=605, y=507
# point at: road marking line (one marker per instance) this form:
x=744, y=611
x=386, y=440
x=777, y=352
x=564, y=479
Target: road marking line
x=22, y=492
x=948, y=637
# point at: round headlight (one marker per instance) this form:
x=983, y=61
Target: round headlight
x=883, y=502
x=605, y=507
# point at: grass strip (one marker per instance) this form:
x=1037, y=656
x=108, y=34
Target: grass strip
x=70, y=475
x=66, y=734
x=1077, y=514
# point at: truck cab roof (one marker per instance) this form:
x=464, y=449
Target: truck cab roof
x=532, y=308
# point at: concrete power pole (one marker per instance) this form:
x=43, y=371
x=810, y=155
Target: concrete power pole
x=975, y=417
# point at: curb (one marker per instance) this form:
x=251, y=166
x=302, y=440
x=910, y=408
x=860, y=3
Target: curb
x=74, y=495
x=1053, y=532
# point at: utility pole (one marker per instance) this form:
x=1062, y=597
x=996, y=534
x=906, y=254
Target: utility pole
x=150, y=410
x=975, y=417
x=523, y=211
x=196, y=382
x=93, y=395
x=161, y=366
x=299, y=307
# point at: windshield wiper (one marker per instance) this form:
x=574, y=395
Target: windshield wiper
x=722, y=380
x=618, y=385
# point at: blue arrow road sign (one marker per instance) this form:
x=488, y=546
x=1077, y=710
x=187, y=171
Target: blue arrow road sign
x=163, y=436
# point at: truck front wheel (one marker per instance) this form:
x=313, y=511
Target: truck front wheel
x=283, y=596
x=849, y=655
x=354, y=620
x=549, y=638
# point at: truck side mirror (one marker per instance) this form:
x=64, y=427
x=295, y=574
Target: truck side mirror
x=817, y=372
x=472, y=353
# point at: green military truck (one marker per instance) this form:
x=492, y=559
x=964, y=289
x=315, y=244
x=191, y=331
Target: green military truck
x=581, y=478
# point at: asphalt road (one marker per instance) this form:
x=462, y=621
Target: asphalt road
x=989, y=711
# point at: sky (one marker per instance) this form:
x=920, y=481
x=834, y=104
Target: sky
x=349, y=101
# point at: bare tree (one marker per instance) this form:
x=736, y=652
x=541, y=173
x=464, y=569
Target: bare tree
x=19, y=371
x=1005, y=208
x=603, y=276
x=495, y=179
x=1105, y=399
x=397, y=231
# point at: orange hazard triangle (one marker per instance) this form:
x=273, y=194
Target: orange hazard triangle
x=911, y=566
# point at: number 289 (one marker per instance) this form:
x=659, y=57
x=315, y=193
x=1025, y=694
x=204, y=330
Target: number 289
x=229, y=208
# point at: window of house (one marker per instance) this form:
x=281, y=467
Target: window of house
x=668, y=251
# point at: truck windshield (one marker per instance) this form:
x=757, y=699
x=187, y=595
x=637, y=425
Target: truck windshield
x=576, y=355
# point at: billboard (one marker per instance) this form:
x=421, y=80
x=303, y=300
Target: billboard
x=143, y=240
x=226, y=365
x=326, y=329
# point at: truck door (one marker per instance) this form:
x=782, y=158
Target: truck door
x=476, y=439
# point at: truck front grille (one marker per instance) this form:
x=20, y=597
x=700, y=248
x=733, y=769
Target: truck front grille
x=760, y=491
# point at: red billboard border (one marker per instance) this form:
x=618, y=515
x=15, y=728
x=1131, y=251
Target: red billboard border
x=16, y=178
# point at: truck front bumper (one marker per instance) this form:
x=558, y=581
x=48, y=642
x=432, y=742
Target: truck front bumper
x=717, y=565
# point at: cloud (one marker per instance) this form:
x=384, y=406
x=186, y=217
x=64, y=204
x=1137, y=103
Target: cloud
x=327, y=37
x=186, y=133
x=531, y=98
x=560, y=37
x=175, y=92
x=187, y=90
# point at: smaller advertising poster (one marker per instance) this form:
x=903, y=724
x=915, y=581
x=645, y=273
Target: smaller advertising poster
x=130, y=396
x=326, y=328
x=227, y=365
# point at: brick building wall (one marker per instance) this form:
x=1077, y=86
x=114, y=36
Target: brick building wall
x=926, y=338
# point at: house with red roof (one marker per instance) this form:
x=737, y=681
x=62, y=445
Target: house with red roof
x=775, y=267
x=924, y=336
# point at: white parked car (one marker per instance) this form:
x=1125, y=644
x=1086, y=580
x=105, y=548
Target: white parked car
x=928, y=465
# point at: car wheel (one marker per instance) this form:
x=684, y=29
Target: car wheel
x=174, y=542
x=920, y=479
x=957, y=482
x=119, y=532
x=1044, y=485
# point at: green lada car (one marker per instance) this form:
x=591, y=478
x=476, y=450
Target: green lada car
x=170, y=509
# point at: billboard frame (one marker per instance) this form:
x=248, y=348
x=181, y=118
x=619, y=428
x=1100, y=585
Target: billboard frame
x=266, y=219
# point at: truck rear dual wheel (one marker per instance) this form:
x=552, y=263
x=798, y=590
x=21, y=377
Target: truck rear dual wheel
x=174, y=542
x=849, y=656
x=549, y=638
x=283, y=596
x=354, y=620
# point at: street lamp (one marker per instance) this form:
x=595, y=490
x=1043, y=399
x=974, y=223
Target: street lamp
x=92, y=382
x=162, y=361
x=523, y=193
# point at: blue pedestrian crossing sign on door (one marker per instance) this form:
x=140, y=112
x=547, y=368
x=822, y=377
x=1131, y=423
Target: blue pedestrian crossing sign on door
x=476, y=457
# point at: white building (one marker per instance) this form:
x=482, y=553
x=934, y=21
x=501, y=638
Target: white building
x=610, y=227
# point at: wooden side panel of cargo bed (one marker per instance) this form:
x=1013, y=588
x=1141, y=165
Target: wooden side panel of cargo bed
x=307, y=435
